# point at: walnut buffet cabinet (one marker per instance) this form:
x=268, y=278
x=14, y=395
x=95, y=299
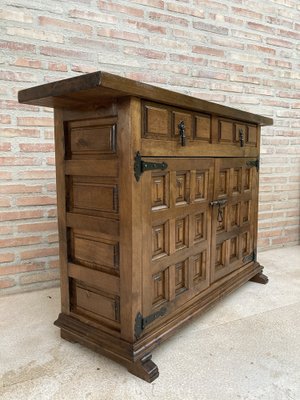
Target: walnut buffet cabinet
x=157, y=210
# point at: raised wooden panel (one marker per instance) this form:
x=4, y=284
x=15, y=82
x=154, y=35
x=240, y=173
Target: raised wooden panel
x=156, y=121
x=200, y=227
x=236, y=181
x=234, y=215
x=233, y=248
x=160, y=191
x=181, y=233
x=90, y=195
x=247, y=179
x=160, y=288
x=220, y=260
x=252, y=139
x=245, y=243
x=246, y=209
x=186, y=118
x=181, y=277
x=201, y=185
x=223, y=186
x=90, y=138
x=225, y=133
x=94, y=252
x=159, y=240
x=94, y=303
x=202, y=128
x=182, y=187
x=199, y=267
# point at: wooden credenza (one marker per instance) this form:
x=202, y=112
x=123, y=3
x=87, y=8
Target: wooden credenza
x=157, y=210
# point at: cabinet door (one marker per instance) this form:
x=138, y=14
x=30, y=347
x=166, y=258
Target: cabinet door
x=234, y=218
x=176, y=232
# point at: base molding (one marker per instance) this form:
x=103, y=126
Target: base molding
x=136, y=357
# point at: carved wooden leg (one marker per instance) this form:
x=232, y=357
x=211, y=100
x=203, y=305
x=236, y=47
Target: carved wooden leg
x=144, y=369
x=260, y=278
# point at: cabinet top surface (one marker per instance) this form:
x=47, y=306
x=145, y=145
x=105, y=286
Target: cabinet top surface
x=100, y=87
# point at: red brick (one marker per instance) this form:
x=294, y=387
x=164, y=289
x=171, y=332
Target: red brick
x=5, y=119
x=5, y=146
x=17, y=46
x=262, y=49
x=246, y=35
x=123, y=35
x=6, y=257
x=18, y=269
x=19, y=161
x=220, y=30
x=5, y=175
x=54, y=264
x=64, y=53
x=220, y=41
x=170, y=19
x=33, y=121
x=260, y=27
x=53, y=238
x=14, y=105
x=57, y=67
x=92, y=16
x=38, y=227
x=6, y=230
x=17, y=76
x=207, y=50
x=27, y=62
x=279, y=43
x=43, y=276
x=188, y=59
x=210, y=75
x=226, y=65
x=118, y=8
x=145, y=53
x=5, y=202
x=150, y=3
x=183, y=9
x=17, y=215
x=40, y=174
x=6, y=283
x=37, y=147
x=39, y=253
x=147, y=27
x=71, y=26
x=14, y=189
x=23, y=241
x=35, y=201
x=246, y=13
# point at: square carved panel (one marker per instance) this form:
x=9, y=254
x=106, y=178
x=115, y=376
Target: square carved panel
x=181, y=233
x=160, y=288
x=181, y=274
x=200, y=227
x=220, y=255
x=201, y=186
x=234, y=215
x=159, y=240
x=246, y=208
x=199, y=267
x=182, y=187
x=245, y=243
x=223, y=182
x=247, y=179
x=234, y=249
x=236, y=181
x=159, y=191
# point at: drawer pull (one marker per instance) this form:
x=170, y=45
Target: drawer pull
x=242, y=138
x=181, y=127
x=220, y=204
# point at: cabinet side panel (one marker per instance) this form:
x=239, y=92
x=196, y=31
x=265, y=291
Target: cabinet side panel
x=61, y=208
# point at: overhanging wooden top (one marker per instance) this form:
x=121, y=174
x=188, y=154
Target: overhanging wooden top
x=98, y=87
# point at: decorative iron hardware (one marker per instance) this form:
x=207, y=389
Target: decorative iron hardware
x=250, y=257
x=181, y=127
x=220, y=204
x=241, y=136
x=141, y=322
x=141, y=166
x=254, y=163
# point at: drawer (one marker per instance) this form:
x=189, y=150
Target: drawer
x=205, y=135
x=161, y=122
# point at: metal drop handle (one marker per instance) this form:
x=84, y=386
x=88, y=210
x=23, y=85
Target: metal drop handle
x=181, y=127
x=220, y=204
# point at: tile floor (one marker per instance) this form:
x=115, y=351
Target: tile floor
x=247, y=347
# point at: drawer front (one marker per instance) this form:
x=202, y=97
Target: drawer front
x=205, y=135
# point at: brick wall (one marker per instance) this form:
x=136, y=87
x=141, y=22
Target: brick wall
x=241, y=53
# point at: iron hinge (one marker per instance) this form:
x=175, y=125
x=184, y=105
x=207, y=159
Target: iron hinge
x=250, y=257
x=141, y=166
x=254, y=163
x=141, y=322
